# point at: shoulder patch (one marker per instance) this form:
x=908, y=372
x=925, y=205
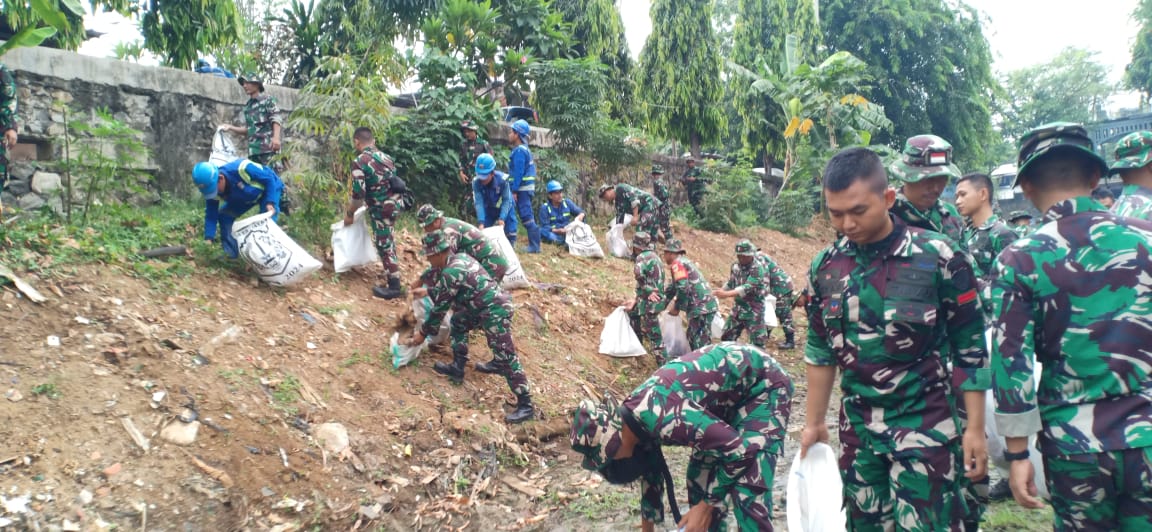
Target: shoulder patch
x=679, y=272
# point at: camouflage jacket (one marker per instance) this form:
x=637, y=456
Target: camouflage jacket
x=649, y=272
x=373, y=177
x=1075, y=297
x=629, y=197
x=697, y=183
x=1023, y=230
x=471, y=241
x=260, y=113
x=781, y=281
x=943, y=218
x=660, y=190
x=1134, y=202
x=689, y=289
x=463, y=287
x=694, y=401
x=7, y=99
x=985, y=243
x=469, y=151
x=751, y=283
x=881, y=313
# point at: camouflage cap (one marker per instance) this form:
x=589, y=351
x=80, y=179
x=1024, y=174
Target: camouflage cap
x=1133, y=151
x=437, y=241
x=674, y=245
x=924, y=156
x=1057, y=135
x=469, y=125
x=657, y=169
x=642, y=240
x=595, y=432
x=745, y=248
x=1016, y=215
x=604, y=188
x=252, y=77
x=427, y=214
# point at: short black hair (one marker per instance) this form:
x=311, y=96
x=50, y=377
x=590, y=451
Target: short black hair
x=855, y=164
x=363, y=134
x=979, y=181
x=1100, y=193
x=1062, y=169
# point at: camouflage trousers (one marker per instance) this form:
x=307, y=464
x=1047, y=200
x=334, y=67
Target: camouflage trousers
x=493, y=263
x=664, y=220
x=647, y=324
x=975, y=492
x=265, y=159
x=914, y=489
x=383, y=217
x=1101, y=491
x=762, y=423
x=750, y=316
x=647, y=223
x=784, y=303
x=496, y=323
x=700, y=330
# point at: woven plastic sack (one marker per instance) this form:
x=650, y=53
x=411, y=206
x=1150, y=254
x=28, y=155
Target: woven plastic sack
x=618, y=339
x=582, y=241
x=402, y=355
x=617, y=245
x=278, y=259
x=515, y=277
x=352, y=244
x=223, y=149
x=674, y=334
x=814, y=500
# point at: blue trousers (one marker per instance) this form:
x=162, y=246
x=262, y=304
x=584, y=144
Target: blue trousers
x=493, y=213
x=524, y=210
x=552, y=238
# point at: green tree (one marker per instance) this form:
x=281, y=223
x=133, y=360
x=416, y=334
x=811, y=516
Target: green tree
x=1138, y=74
x=932, y=64
x=598, y=32
x=758, y=38
x=680, y=73
x=803, y=24
x=1073, y=86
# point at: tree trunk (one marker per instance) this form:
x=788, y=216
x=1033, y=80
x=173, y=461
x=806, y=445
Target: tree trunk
x=695, y=139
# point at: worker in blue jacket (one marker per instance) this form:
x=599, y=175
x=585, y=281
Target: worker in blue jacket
x=557, y=213
x=522, y=173
x=492, y=195
x=230, y=191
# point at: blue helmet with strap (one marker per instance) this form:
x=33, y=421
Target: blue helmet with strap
x=521, y=127
x=485, y=165
x=553, y=186
x=205, y=176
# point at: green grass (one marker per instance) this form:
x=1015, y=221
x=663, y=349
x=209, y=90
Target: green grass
x=46, y=390
x=605, y=502
x=1007, y=515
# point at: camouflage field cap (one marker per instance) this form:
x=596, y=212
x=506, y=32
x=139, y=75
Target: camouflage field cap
x=1016, y=215
x=603, y=188
x=924, y=156
x=1056, y=135
x=469, y=125
x=1133, y=151
x=642, y=240
x=427, y=215
x=252, y=77
x=674, y=245
x=437, y=242
x=595, y=432
x=745, y=248
x=657, y=169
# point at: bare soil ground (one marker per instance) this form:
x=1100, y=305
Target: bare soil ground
x=259, y=370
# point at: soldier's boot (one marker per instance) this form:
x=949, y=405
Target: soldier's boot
x=455, y=370
x=393, y=290
x=491, y=367
x=524, y=410
x=789, y=340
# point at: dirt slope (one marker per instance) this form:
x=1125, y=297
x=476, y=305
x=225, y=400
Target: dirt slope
x=423, y=454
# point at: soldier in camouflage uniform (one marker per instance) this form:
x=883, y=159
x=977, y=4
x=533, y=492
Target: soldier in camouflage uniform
x=467, y=238
x=470, y=149
x=645, y=308
x=461, y=285
x=785, y=294
x=688, y=290
x=985, y=235
x=660, y=192
x=1021, y=223
x=263, y=125
x=749, y=283
x=1134, y=164
x=729, y=403
x=1076, y=296
x=375, y=184
x=628, y=199
x=924, y=170
x=695, y=185
x=7, y=118
x=884, y=300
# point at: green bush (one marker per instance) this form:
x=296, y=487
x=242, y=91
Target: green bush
x=733, y=199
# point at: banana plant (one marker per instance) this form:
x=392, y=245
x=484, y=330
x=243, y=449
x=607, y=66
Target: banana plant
x=49, y=12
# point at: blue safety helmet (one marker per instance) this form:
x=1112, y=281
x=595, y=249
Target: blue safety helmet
x=485, y=165
x=553, y=186
x=206, y=176
x=521, y=127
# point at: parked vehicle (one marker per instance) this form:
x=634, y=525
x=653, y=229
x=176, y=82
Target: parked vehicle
x=514, y=113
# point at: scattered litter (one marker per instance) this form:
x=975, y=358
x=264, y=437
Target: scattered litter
x=83, y=321
x=23, y=287
x=310, y=345
x=284, y=457
x=290, y=503
x=69, y=526
x=267, y=492
x=180, y=433
x=226, y=336
x=16, y=505
x=53, y=341
x=308, y=318
x=371, y=512
x=333, y=437
x=13, y=395
x=135, y=433
x=159, y=396
x=85, y=497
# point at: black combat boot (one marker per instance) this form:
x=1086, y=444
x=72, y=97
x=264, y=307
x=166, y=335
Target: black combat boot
x=789, y=340
x=492, y=367
x=393, y=290
x=524, y=410
x=455, y=370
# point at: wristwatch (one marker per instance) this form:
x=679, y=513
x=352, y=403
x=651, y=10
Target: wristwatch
x=1012, y=457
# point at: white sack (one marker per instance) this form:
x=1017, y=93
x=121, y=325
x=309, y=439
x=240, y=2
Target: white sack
x=617, y=244
x=515, y=276
x=814, y=500
x=618, y=339
x=223, y=149
x=581, y=241
x=402, y=354
x=278, y=260
x=675, y=335
x=352, y=244
x=770, y=318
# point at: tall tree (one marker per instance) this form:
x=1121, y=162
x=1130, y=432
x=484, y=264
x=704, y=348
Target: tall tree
x=758, y=41
x=598, y=32
x=680, y=73
x=803, y=24
x=1138, y=74
x=1073, y=86
x=931, y=63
